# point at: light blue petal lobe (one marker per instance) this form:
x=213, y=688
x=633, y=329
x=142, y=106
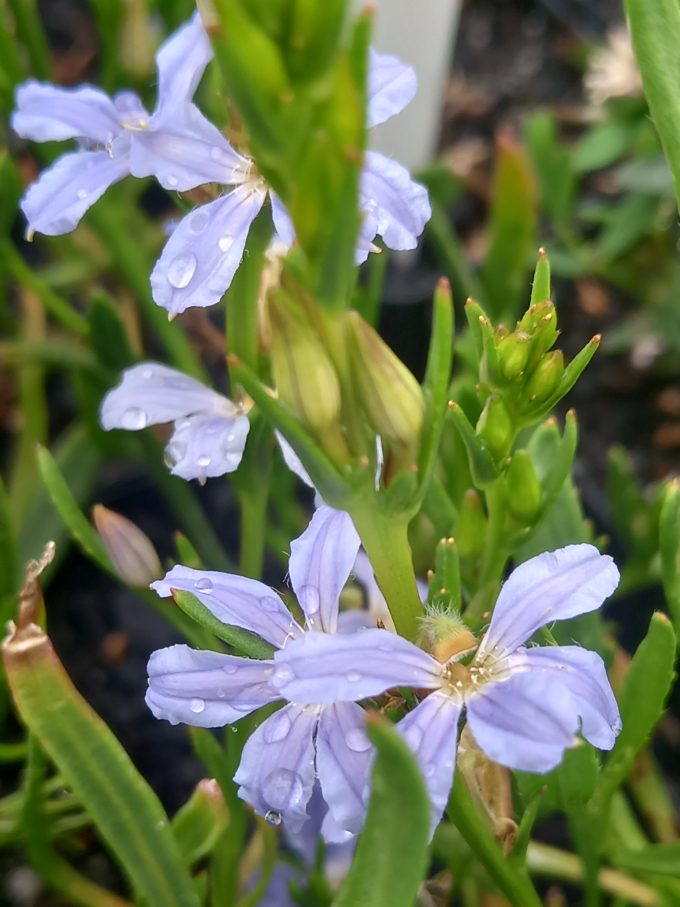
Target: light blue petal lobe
x=182, y=149
x=391, y=86
x=206, y=446
x=552, y=586
x=322, y=668
x=392, y=204
x=320, y=563
x=282, y=222
x=206, y=689
x=276, y=774
x=431, y=730
x=57, y=201
x=205, y=249
x=344, y=755
x=151, y=393
x=523, y=722
x=45, y=113
x=234, y=600
x=584, y=674
x=291, y=459
x=181, y=61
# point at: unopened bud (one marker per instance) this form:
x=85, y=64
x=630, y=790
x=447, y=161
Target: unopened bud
x=523, y=488
x=471, y=529
x=513, y=353
x=388, y=392
x=540, y=322
x=445, y=635
x=303, y=372
x=545, y=377
x=130, y=551
x=496, y=427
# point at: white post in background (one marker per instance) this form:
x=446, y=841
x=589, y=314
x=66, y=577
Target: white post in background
x=422, y=33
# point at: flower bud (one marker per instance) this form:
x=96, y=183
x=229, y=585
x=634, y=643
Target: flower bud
x=130, y=551
x=389, y=394
x=496, y=427
x=540, y=322
x=513, y=353
x=471, y=529
x=303, y=372
x=445, y=634
x=545, y=377
x=523, y=488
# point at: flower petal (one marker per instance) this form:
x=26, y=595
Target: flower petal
x=552, y=586
x=46, y=113
x=206, y=689
x=292, y=460
x=56, y=202
x=320, y=668
x=320, y=563
x=205, y=249
x=276, y=774
x=344, y=756
x=522, y=724
x=206, y=446
x=391, y=86
x=282, y=222
x=392, y=204
x=584, y=674
x=181, y=61
x=235, y=600
x=182, y=149
x=431, y=730
x=150, y=394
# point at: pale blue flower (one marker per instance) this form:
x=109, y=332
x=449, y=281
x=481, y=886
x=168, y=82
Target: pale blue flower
x=300, y=743
x=523, y=705
x=209, y=430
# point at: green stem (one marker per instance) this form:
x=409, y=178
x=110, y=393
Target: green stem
x=385, y=538
x=253, y=529
x=495, y=554
x=513, y=882
x=32, y=34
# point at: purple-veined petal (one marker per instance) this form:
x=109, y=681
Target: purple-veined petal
x=56, y=202
x=150, y=394
x=391, y=86
x=235, y=600
x=393, y=205
x=552, y=586
x=522, y=722
x=206, y=689
x=431, y=730
x=206, y=446
x=320, y=563
x=181, y=61
x=182, y=149
x=46, y=113
x=276, y=774
x=205, y=249
x=292, y=460
x=584, y=674
x=320, y=668
x=344, y=756
x=282, y=222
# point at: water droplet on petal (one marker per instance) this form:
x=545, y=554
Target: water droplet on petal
x=311, y=599
x=133, y=418
x=225, y=242
x=174, y=452
x=276, y=728
x=282, y=789
x=197, y=705
x=354, y=677
x=428, y=769
x=204, y=584
x=203, y=460
x=220, y=692
x=272, y=817
x=385, y=649
x=82, y=194
x=414, y=736
x=147, y=373
x=282, y=675
x=230, y=669
x=271, y=604
x=181, y=269
x=171, y=179
x=198, y=221
x=357, y=740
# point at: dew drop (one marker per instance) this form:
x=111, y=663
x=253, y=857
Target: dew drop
x=282, y=788
x=204, y=460
x=225, y=242
x=276, y=728
x=198, y=221
x=204, y=584
x=385, y=649
x=174, y=452
x=230, y=438
x=197, y=705
x=147, y=374
x=171, y=180
x=133, y=418
x=230, y=669
x=272, y=817
x=181, y=269
x=357, y=741
x=220, y=692
x=354, y=677
x=282, y=675
x=312, y=601
x=82, y=194
x=414, y=736
x=428, y=769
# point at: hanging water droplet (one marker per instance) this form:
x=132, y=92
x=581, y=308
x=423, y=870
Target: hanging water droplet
x=354, y=677
x=181, y=269
x=357, y=741
x=276, y=728
x=204, y=584
x=197, y=706
x=133, y=418
x=198, y=221
x=82, y=194
x=204, y=460
x=282, y=788
x=271, y=816
x=225, y=242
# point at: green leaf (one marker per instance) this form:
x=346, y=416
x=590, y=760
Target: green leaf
x=125, y=810
x=9, y=562
x=603, y=144
x=396, y=831
x=669, y=548
x=437, y=379
x=247, y=643
x=482, y=464
x=198, y=824
x=655, y=29
x=540, y=287
x=552, y=163
x=661, y=859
